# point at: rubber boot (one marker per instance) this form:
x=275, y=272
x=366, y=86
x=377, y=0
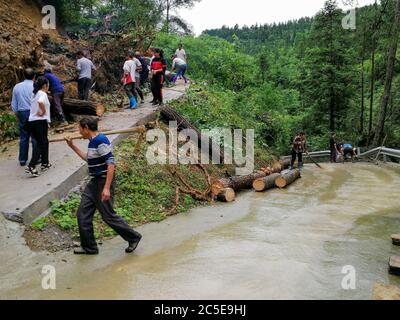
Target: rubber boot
x=300, y=166
x=133, y=103
x=291, y=166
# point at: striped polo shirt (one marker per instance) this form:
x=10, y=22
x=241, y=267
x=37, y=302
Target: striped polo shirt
x=99, y=156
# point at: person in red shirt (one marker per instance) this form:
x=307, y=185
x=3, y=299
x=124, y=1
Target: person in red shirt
x=158, y=68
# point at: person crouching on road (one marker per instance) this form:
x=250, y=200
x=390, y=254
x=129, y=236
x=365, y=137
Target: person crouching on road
x=348, y=150
x=39, y=120
x=99, y=193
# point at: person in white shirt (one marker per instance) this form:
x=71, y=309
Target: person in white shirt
x=181, y=53
x=131, y=66
x=39, y=120
x=181, y=67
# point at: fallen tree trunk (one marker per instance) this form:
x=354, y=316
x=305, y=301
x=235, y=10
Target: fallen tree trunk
x=287, y=179
x=170, y=114
x=81, y=107
x=263, y=184
x=236, y=183
x=281, y=166
x=226, y=195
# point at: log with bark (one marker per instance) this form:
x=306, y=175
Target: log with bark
x=287, y=179
x=82, y=107
x=280, y=166
x=170, y=114
x=226, y=195
x=263, y=184
x=236, y=183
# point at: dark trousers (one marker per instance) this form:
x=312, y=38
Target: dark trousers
x=156, y=88
x=130, y=90
x=58, y=98
x=333, y=155
x=24, y=136
x=84, y=86
x=91, y=200
x=39, y=130
x=295, y=155
x=138, y=88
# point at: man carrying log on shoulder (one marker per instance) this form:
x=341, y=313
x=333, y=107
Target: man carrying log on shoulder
x=99, y=193
x=299, y=146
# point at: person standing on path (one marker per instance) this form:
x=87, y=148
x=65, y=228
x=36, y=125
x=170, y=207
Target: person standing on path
x=99, y=193
x=158, y=68
x=84, y=66
x=57, y=92
x=181, y=53
x=39, y=120
x=21, y=106
x=130, y=68
x=144, y=73
x=138, y=83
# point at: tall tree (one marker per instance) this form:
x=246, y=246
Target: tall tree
x=329, y=63
x=380, y=128
x=170, y=5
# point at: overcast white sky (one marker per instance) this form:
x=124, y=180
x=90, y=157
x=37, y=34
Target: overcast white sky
x=210, y=14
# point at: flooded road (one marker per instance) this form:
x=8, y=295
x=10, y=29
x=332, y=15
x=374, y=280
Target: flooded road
x=283, y=244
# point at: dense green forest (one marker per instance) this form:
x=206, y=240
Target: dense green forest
x=310, y=74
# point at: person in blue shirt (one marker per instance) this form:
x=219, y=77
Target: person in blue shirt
x=99, y=193
x=21, y=106
x=57, y=92
x=346, y=150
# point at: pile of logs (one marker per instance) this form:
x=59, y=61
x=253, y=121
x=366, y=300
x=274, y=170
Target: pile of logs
x=265, y=179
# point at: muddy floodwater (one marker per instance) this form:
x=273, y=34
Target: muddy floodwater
x=283, y=244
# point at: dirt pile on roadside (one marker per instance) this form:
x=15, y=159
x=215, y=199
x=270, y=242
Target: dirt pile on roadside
x=20, y=44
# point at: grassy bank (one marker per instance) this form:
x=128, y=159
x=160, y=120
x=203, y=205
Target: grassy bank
x=145, y=193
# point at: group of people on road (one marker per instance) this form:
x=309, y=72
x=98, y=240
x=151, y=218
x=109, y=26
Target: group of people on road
x=343, y=149
x=31, y=104
x=32, y=107
x=138, y=69
x=299, y=146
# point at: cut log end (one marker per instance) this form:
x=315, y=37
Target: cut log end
x=259, y=185
x=281, y=182
x=263, y=184
x=227, y=195
x=100, y=110
x=216, y=188
x=287, y=179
